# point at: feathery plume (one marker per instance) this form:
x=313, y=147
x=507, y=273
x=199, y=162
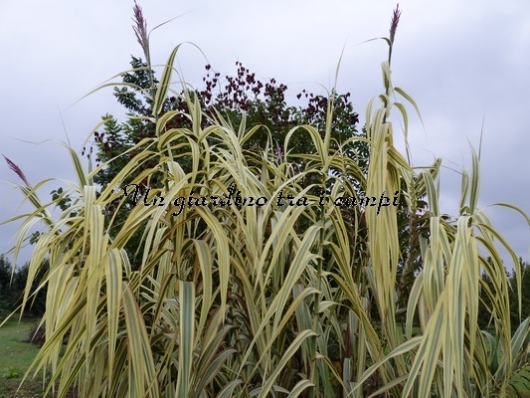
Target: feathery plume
x=394, y=23
x=140, y=28
x=16, y=169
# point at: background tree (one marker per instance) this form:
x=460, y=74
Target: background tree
x=5, y=286
x=12, y=285
x=263, y=105
x=514, y=304
x=485, y=300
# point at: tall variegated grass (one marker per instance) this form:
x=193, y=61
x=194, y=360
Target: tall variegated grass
x=271, y=300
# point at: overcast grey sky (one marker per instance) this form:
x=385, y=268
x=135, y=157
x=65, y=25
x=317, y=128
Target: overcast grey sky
x=464, y=62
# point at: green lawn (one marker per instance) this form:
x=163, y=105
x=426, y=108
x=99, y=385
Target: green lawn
x=15, y=357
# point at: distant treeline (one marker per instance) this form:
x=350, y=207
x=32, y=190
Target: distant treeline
x=514, y=306
x=12, y=290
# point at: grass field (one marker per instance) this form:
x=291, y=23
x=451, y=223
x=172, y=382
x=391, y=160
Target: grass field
x=15, y=357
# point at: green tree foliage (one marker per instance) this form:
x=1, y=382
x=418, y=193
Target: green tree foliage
x=5, y=282
x=242, y=100
x=263, y=104
x=516, y=318
x=13, y=285
x=485, y=320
